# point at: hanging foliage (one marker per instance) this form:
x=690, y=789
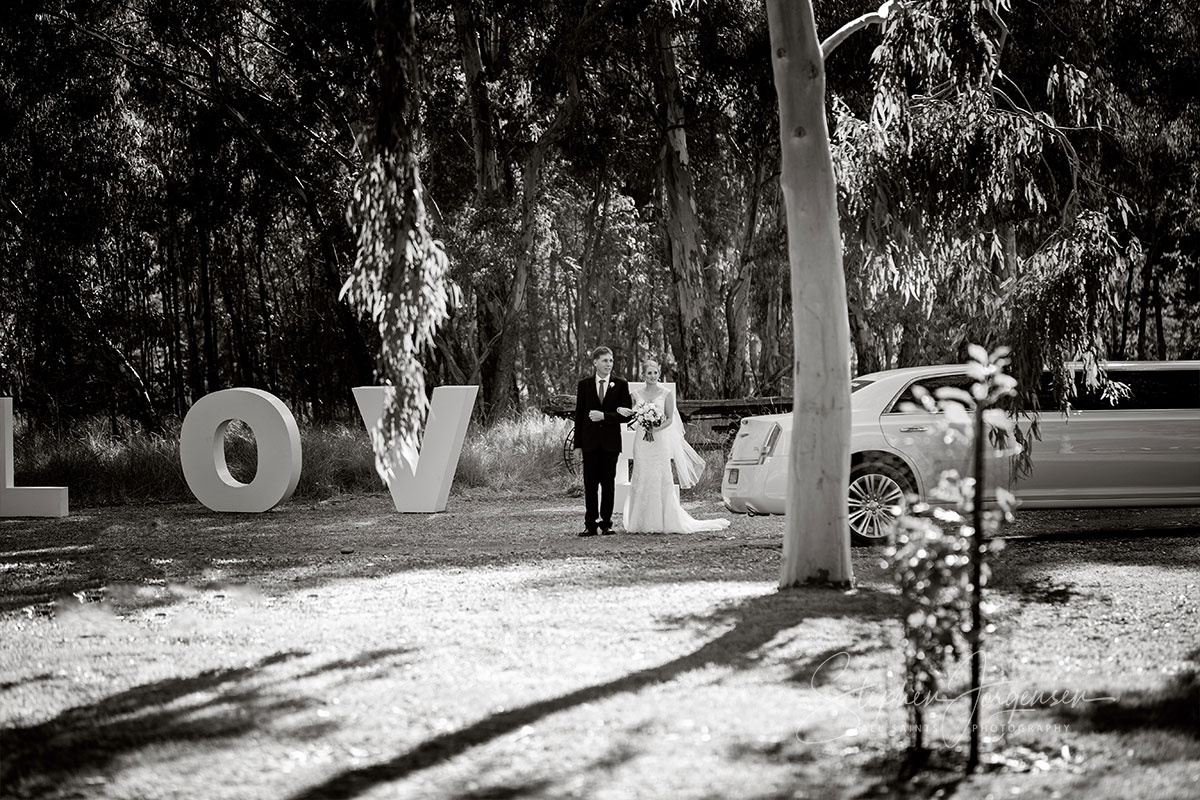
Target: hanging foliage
x=400, y=280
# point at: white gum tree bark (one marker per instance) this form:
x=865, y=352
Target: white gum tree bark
x=816, y=546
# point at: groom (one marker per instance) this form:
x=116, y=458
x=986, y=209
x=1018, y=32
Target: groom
x=602, y=403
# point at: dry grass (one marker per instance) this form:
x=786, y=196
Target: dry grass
x=100, y=468
x=336, y=649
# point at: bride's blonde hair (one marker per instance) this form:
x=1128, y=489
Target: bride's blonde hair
x=647, y=362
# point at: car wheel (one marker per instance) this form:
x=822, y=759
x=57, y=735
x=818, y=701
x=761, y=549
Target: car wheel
x=877, y=490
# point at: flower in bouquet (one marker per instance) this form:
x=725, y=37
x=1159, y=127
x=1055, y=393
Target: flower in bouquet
x=647, y=417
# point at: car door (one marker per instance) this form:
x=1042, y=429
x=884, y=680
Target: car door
x=921, y=437
x=1136, y=443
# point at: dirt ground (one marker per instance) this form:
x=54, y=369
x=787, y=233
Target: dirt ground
x=337, y=649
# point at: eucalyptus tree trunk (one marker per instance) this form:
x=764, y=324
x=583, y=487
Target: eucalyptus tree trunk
x=866, y=355
x=739, y=371
x=504, y=397
x=483, y=133
x=497, y=349
x=503, y=316
x=699, y=373
x=595, y=226
x=816, y=545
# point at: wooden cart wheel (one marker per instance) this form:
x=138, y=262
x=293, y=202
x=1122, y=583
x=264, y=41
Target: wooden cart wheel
x=570, y=458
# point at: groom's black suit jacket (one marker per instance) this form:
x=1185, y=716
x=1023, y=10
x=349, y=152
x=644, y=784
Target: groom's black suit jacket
x=592, y=436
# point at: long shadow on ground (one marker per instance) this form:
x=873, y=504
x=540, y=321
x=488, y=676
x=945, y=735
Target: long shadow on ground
x=83, y=740
x=756, y=622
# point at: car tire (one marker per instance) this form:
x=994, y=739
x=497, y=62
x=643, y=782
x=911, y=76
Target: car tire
x=876, y=489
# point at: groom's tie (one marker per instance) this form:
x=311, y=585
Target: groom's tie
x=600, y=389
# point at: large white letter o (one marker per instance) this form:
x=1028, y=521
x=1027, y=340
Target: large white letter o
x=202, y=450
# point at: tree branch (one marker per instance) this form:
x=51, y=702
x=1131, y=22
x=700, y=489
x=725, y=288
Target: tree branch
x=854, y=25
x=1000, y=23
x=1072, y=155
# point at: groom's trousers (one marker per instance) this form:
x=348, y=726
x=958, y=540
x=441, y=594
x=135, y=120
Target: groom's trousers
x=599, y=475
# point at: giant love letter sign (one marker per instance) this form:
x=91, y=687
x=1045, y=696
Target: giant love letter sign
x=23, y=501
x=202, y=450
x=427, y=487
x=423, y=488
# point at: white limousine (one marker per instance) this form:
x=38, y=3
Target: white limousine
x=1136, y=446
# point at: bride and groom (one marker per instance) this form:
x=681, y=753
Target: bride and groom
x=603, y=403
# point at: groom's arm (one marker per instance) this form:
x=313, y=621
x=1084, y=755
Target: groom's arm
x=625, y=406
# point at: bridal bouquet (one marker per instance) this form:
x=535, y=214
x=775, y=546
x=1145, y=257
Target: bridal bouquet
x=647, y=417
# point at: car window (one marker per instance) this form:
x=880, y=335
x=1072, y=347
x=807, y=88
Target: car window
x=859, y=383
x=1045, y=394
x=1139, y=390
x=931, y=384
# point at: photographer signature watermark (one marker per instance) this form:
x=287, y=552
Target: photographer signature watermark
x=946, y=715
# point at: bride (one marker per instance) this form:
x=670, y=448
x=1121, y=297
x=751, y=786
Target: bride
x=652, y=505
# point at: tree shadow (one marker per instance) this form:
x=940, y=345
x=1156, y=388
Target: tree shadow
x=905, y=775
x=84, y=739
x=45, y=676
x=756, y=621
x=600, y=768
x=1142, y=536
x=1026, y=561
x=1173, y=707
x=823, y=668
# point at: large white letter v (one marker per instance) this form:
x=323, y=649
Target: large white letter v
x=426, y=487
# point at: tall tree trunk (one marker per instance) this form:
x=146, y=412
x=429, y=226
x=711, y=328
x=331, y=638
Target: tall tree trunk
x=739, y=372
x=1144, y=307
x=210, y=367
x=772, y=361
x=816, y=545
x=910, y=348
x=174, y=313
x=483, y=126
x=535, y=360
x=699, y=374
x=866, y=354
x=265, y=303
x=1126, y=304
x=503, y=397
x=359, y=368
x=1159, y=335
x=595, y=226
x=241, y=351
x=495, y=368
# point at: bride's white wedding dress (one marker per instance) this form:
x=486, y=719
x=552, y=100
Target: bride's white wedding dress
x=652, y=505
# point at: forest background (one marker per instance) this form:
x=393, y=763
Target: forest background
x=175, y=178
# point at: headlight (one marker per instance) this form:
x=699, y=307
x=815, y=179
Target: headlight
x=731, y=476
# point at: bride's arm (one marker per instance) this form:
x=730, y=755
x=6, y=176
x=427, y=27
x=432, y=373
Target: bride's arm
x=633, y=403
x=669, y=409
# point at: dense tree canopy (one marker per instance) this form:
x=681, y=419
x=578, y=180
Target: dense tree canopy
x=175, y=178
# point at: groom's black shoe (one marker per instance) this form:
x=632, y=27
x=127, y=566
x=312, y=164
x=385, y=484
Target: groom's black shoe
x=607, y=531
x=588, y=532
